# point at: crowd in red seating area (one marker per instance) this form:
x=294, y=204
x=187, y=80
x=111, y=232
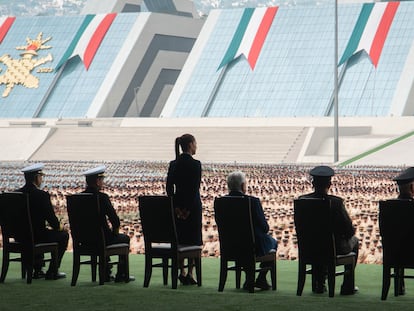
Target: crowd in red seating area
x=276, y=186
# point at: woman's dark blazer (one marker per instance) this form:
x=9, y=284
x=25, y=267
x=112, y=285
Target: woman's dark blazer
x=183, y=184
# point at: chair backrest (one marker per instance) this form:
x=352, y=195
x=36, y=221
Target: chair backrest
x=397, y=231
x=314, y=231
x=85, y=221
x=157, y=220
x=234, y=223
x=15, y=218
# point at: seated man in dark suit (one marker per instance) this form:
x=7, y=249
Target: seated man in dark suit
x=344, y=231
x=41, y=211
x=95, y=182
x=405, y=182
x=236, y=183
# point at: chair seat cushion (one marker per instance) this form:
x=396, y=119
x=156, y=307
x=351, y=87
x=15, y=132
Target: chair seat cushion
x=119, y=245
x=186, y=248
x=46, y=244
x=346, y=255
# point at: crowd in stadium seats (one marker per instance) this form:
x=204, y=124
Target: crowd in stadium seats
x=275, y=185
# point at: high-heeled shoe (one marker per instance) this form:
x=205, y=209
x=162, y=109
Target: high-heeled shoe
x=190, y=280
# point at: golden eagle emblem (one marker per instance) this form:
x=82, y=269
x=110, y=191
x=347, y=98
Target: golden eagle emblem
x=19, y=71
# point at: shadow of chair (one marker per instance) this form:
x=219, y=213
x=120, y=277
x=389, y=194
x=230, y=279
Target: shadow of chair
x=397, y=232
x=316, y=242
x=160, y=237
x=237, y=242
x=16, y=227
x=88, y=238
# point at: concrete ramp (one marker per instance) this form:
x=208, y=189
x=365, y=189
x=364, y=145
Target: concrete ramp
x=20, y=143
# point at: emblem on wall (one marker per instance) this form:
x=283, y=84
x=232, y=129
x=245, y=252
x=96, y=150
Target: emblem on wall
x=19, y=71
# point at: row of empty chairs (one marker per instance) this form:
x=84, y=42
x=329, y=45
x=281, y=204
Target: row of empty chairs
x=237, y=247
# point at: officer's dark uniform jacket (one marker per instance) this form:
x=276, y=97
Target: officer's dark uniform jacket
x=41, y=210
x=107, y=210
x=342, y=224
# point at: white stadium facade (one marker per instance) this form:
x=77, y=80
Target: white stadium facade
x=254, y=85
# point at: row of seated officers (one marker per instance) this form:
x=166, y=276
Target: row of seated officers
x=42, y=213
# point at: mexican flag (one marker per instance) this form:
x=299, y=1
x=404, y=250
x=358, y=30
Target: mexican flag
x=250, y=35
x=5, y=25
x=88, y=38
x=371, y=30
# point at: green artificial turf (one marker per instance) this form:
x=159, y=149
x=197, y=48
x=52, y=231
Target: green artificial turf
x=58, y=295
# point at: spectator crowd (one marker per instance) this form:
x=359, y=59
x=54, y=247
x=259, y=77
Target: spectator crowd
x=276, y=186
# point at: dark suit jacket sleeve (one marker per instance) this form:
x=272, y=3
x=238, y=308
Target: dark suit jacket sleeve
x=197, y=177
x=109, y=211
x=343, y=222
x=170, y=179
x=258, y=216
x=49, y=212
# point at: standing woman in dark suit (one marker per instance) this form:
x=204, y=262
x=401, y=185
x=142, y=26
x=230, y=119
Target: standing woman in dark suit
x=183, y=184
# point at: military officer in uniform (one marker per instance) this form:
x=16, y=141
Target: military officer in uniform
x=41, y=211
x=343, y=229
x=405, y=182
x=94, y=184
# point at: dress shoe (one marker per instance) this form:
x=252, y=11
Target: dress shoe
x=122, y=278
x=246, y=286
x=346, y=291
x=190, y=280
x=262, y=284
x=39, y=274
x=55, y=275
x=319, y=289
x=183, y=279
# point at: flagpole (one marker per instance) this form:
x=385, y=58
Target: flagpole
x=336, y=117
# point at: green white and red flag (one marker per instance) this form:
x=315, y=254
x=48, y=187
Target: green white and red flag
x=5, y=25
x=371, y=30
x=88, y=38
x=250, y=35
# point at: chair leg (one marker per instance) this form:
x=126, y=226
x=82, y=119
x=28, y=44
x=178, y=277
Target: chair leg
x=398, y=272
x=54, y=260
x=165, y=270
x=29, y=273
x=250, y=274
x=174, y=272
x=148, y=270
x=301, y=278
x=94, y=264
x=75, y=268
x=273, y=275
x=238, y=276
x=126, y=262
x=102, y=269
x=23, y=270
x=223, y=274
x=198, y=269
x=386, y=281
x=331, y=280
x=5, y=266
